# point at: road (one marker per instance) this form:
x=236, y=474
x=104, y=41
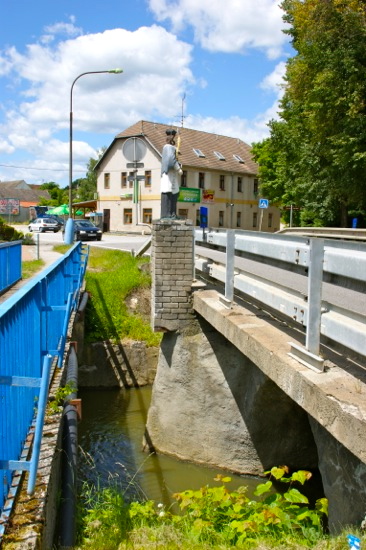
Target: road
x=127, y=242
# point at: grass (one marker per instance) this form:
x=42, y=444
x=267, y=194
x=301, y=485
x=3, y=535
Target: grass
x=112, y=276
x=31, y=267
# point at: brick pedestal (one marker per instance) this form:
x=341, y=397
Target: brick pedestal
x=172, y=274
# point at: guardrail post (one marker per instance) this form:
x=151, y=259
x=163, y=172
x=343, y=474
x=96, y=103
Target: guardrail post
x=315, y=281
x=230, y=264
x=310, y=355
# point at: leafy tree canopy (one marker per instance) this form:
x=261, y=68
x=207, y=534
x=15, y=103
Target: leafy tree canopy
x=316, y=153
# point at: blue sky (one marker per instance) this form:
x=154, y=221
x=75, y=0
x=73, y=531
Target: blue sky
x=222, y=60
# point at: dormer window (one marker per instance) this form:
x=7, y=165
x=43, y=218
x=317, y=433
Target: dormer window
x=198, y=152
x=239, y=159
x=219, y=155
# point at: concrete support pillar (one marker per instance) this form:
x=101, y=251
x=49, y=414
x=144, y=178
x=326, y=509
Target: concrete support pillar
x=172, y=274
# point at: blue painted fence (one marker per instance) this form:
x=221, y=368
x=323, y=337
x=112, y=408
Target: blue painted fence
x=10, y=264
x=33, y=331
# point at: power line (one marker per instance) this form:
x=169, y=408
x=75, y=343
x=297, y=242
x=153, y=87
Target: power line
x=42, y=169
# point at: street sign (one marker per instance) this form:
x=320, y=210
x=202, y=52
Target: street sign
x=135, y=165
x=263, y=203
x=133, y=178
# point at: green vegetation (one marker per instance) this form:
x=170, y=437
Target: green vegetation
x=210, y=518
x=31, y=267
x=55, y=405
x=315, y=156
x=112, y=276
x=8, y=233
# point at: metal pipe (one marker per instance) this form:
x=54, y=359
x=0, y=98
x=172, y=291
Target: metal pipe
x=69, y=465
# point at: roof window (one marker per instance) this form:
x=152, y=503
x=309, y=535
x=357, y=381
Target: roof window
x=239, y=159
x=198, y=152
x=219, y=155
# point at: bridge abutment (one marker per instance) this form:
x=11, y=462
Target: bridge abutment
x=227, y=393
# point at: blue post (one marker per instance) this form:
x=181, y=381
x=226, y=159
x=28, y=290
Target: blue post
x=69, y=231
x=43, y=394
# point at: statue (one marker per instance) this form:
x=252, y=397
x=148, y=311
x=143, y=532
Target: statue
x=169, y=186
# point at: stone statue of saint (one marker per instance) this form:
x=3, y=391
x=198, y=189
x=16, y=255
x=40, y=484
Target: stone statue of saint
x=169, y=186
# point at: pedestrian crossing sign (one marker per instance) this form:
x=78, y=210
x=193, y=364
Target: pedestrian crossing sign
x=263, y=203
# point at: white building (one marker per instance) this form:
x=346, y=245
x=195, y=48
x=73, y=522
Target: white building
x=218, y=173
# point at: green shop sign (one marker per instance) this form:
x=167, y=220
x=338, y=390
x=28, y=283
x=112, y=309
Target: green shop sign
x=189, y=194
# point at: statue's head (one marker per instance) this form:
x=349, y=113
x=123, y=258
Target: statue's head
x=170, y=136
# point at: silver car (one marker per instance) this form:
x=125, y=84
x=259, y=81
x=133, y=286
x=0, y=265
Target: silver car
x=44, y=224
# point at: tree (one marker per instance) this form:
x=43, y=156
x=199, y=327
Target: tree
x=318, y=148
x=87, y=187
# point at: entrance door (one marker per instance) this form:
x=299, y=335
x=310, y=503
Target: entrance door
x=106, y=219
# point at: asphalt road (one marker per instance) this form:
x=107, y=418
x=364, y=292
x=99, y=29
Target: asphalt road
x=127, y=242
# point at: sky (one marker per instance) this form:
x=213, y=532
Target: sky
x=213, y=65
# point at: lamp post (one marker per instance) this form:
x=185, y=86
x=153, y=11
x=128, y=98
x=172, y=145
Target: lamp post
x=69, y=229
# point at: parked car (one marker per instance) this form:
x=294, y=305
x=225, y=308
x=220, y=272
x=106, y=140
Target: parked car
x=44, y=224
x=84, y=230
x=59, y=220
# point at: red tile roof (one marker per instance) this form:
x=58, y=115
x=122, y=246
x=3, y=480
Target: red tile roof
x=195, y=139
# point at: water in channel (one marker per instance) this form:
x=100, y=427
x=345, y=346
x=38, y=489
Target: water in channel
x=110, y=443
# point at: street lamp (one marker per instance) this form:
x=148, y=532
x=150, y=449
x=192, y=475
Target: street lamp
x=69, y=229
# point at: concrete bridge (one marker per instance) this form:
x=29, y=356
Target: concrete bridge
x=230, y=392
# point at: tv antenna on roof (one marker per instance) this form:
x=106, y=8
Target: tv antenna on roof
x=182, y=116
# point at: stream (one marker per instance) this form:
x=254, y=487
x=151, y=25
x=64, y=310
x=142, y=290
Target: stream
x=110, y=450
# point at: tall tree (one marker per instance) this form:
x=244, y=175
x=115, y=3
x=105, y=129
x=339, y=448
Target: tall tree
x=87, y=187
x=319, y=146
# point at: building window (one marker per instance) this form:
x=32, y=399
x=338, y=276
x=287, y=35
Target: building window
x=147, y=180
x=183, y=213
x=219, y=155
x=222, y=182
x=255, y=217
x=127, y=216
x=147, y=215
x=238, y=219
x=107, y=181
x=255, y=187
x=239, y=159
x=123, y=179
x=270, y=219
x=198, y=152
x=201, y=180
x=131, y=177
x=240, y=184
x=183, y=179
x=221, y=218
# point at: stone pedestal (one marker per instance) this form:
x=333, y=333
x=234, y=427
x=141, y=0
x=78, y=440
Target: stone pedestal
x=172, y=274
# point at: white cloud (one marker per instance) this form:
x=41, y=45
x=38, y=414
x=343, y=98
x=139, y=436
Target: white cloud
x=274, y=82
x=6, y=147
x=248, y=131
x=230, y=26
x=156, y=69
x=66, y=29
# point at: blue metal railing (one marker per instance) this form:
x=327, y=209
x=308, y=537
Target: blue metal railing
x=33, y=330
x=10, y=264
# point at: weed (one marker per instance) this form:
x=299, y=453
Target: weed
x=212, y=517
x=60, y=396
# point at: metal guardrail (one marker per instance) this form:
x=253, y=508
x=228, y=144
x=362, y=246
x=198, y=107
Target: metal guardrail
x=33, y=330
x=10, y=264
x=343, y=263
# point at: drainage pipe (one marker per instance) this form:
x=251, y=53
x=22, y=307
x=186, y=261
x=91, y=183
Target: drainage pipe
x=69, y=459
